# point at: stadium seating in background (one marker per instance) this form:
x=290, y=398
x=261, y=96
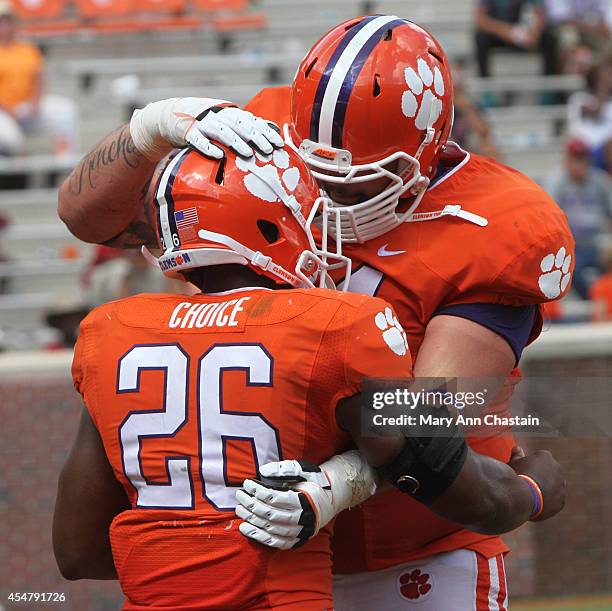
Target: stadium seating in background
x=227, y=16
x=144, y=61
x=44, y=18
x=102, y=9
x=39, y=9
x=136, y=15
x=220, y=5
x=175, y=7
x=61, y=17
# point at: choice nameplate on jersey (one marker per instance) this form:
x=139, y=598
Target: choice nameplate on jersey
x=228, y=315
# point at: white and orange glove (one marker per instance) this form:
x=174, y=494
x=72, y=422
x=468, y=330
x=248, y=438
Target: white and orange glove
x=296, y=499
x=200, y=122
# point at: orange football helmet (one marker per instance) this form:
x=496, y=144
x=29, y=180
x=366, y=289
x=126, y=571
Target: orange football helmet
x=371, y=100
x=256, y=212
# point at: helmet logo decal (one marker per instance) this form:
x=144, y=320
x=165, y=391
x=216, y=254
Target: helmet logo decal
x=274, y=163
x=325, y=153
x=418, y=81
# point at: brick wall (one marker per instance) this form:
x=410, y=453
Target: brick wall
x=571, y=553
x=40, y=417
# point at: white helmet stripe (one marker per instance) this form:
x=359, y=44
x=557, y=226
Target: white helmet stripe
x=162, y=200
x=339, y=73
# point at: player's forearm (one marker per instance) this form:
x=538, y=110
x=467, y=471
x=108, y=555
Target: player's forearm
x=487, y=497
x=110, y=183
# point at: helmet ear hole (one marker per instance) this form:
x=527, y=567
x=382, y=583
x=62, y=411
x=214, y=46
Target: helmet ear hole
x=310, y=66
x=268, y=230
x=436, y=55
x=220, y=171
x=376, y=91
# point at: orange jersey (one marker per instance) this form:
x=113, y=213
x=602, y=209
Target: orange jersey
x=190, y=395
x=517, y=250
x=522, y=256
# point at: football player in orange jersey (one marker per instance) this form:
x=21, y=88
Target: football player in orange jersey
x=465, y=249
x=187, y=396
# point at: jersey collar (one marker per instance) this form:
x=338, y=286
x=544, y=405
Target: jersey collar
x=240, y=290
x=444, y=171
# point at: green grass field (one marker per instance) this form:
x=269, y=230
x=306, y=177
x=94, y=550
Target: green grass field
x=586, y=603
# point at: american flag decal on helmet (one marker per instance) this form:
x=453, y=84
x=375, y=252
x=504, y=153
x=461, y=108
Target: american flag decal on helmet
x=186, y=218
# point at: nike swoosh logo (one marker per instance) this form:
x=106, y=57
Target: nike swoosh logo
x=383, y=252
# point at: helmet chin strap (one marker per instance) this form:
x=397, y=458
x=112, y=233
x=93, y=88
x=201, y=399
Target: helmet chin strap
x=256, y=258
x=423, y=182
x=449, y=210
x=430, y=134
x=150, y=258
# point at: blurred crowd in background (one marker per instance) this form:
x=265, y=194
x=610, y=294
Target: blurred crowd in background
x=25, y=106
x=566, y=36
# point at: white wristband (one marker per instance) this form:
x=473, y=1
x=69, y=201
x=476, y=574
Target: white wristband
x=351, y=478
x=144, y=129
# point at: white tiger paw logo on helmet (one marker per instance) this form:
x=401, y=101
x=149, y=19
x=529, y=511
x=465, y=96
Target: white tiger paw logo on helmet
x=276, y=169
x=556, y=275
x=431, y=105
x=393, y=334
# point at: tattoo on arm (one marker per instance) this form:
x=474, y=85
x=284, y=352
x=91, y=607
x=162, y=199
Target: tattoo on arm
x=140, y=232
x=119, y=148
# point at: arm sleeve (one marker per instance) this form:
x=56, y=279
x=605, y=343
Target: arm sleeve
x=514, y=324
x=377, y=346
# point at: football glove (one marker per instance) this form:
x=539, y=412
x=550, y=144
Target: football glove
x=200, y=122
x=294, y=499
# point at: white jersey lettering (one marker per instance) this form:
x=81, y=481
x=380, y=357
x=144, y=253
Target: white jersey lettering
x=200, y=315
